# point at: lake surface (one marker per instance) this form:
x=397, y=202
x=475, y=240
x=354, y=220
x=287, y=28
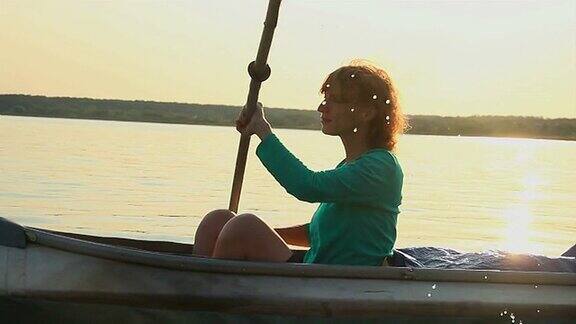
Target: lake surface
x=157, y=181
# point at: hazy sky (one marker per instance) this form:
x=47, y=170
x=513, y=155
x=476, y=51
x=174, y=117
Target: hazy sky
x=447, y=57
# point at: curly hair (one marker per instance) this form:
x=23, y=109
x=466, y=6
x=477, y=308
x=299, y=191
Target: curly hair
x=363, y=83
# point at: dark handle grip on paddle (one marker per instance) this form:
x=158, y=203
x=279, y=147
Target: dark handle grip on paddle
x=259, y=71
x=261, y=74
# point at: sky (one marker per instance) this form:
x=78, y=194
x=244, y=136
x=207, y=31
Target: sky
x=450, y=58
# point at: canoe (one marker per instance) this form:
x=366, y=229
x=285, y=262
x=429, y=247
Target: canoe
x=66, y=277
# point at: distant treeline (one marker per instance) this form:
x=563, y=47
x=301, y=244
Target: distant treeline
x=180, y=113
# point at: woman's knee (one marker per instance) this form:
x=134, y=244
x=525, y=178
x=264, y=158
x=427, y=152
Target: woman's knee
x=248, y=237
x=242, y=225
x=209, y=229
x=249, y=230
x=215, y=220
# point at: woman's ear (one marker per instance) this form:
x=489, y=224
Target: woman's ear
x=369, y=114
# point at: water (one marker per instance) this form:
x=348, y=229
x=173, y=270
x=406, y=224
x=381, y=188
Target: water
x=156, y=181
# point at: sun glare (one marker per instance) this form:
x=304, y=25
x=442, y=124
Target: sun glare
x=519, y=235
x=518, y=232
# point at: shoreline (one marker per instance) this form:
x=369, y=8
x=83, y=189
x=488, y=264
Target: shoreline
x=281, y=118
x=280, y=127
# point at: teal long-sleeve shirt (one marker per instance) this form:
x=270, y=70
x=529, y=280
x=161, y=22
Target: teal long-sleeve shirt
x=355, y=223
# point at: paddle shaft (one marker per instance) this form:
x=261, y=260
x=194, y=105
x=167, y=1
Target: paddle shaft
x=258, y=68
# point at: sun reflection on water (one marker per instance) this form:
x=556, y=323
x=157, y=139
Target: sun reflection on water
x=519, y=235
x=518, y=231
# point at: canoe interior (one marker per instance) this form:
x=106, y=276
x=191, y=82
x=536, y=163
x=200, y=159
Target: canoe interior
x=151, y=246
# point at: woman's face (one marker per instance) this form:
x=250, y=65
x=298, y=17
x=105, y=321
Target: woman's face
x=337, y=118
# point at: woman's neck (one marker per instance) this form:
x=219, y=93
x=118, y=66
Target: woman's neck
x=354, y=145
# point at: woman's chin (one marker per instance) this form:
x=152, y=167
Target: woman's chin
x=327, y=131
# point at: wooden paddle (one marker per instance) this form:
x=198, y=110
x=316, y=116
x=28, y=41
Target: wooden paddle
x=259, y=71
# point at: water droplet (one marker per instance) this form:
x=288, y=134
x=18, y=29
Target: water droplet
x=520, y=322
x=501, y=314
x=327, y=85
x=387, y=123
x=535, y=286
x=538, y=264
x=355, y=129
x=352, y=109
x=352, y=75
x=537, y=311
x=485, y=277
x=429, y=295
x=512, y=321
x=387, y=117
x=324, y=103
x=505, y=312
x=512, y=316
x=374, y=97
x=387, y=101
x=434, y=285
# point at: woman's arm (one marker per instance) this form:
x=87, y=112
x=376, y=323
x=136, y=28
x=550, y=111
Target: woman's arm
x=295, y=235
x=364, y=180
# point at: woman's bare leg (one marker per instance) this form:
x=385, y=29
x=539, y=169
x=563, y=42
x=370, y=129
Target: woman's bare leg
x=208, y=231
x=247, y=237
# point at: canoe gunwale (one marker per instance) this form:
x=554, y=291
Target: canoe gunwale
x=199, y=264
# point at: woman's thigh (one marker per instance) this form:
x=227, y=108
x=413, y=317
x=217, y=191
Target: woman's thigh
x=247, y=237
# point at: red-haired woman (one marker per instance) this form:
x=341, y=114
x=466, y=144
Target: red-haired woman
x=355, y=223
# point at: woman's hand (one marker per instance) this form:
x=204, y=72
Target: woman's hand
x=295, y=235
x=257, y=125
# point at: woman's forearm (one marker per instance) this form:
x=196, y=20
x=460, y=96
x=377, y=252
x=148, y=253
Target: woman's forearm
x=295, y=235
x=263, y=130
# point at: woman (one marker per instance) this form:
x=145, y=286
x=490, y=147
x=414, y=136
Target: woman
x=355, y=223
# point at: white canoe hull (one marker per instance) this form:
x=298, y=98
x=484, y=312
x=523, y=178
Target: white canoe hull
x=65, y=272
